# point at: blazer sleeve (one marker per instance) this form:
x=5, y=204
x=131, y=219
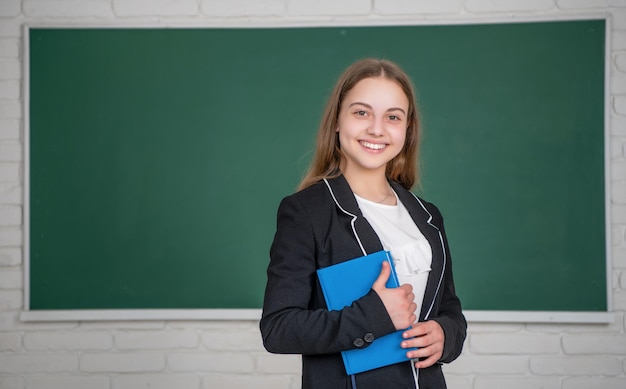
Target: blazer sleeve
x=449, y=316
x=291, y=323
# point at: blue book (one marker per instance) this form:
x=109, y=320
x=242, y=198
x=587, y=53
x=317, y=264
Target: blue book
x=348, y=281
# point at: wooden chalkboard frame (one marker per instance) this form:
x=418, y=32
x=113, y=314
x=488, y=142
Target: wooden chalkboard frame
x=254, y=314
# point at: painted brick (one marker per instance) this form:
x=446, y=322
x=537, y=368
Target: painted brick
x=515, y=344
x=487, y=6
x=618, y=19
x=122, y=362
x=156, y=340
x=622, y=282
x=12, y=383
x=494, y=327
x=620, y=62
x=38, y=363
x=10, y=194
x=618, y=169
x=9, y=48
x=9, y=89
x=618, y=192
x=594, y=382
x=279, y=364
x=403, y=7
x=9, y=8
x=11, y=299
x=226, y=8
x=67, y=8
x=618, y=216
x=594, y=344
x=10, y=151
x=10, y=256
x=155, y=7
x=481, y=364
x=618, y=255
x=618, y=45
x=10, y=215
x=10, y=341
x=619, y=300
x=577, y=4
x=211, y=362
x=233, y=341
x=219, y=326
x=10, y=321
x=10, y=236
x=9, y=129
x=456, y=381
x=515, y=382
x=329, y=7
x=10, y=109
x=62, y=340
x=156, y=381
x=11, y=279
x=9, y=172
x=11, y=28
x=619, y=104
x=10, y=70
x=617, y=146
x=69, y=382
x=618, y=234
x=575, y=366
x=232, y=381
x=617, y=83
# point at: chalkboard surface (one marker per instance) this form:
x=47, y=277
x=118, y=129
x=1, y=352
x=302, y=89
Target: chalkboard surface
x=158, y=157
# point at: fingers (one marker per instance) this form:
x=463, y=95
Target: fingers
x=428, y=338
x=428, y=361
x=380, y=282
x=398, y=301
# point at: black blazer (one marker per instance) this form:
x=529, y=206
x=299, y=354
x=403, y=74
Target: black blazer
x=321, y=226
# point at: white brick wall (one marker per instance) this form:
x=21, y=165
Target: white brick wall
x=205, y=354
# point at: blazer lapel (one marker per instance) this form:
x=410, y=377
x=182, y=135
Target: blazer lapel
x=422, y=219
x=347, y=202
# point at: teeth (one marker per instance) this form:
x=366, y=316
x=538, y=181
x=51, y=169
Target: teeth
x=374, y=146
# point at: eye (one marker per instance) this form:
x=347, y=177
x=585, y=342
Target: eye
x=360, y=112
x=395, y=118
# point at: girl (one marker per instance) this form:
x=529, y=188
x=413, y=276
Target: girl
x=354, y=201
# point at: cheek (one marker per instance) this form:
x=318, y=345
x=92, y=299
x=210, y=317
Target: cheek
x=400, y=136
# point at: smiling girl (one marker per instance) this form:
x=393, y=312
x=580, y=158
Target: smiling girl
x=355, y=200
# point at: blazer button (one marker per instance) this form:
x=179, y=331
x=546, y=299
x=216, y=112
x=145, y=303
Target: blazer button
x=369, y=337
x=358, y=342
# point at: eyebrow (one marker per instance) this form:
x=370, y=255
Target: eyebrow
x=370, y=107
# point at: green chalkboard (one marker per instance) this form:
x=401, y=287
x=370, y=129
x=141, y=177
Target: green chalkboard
x=157, y=157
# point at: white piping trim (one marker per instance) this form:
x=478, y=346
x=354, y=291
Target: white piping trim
x=354, y=217
x=445, y=259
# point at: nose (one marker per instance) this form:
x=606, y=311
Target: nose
x=376, y=128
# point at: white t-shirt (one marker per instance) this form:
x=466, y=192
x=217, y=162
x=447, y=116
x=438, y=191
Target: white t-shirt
x=399, y=235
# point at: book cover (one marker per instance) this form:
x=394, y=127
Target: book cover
x=348, y=281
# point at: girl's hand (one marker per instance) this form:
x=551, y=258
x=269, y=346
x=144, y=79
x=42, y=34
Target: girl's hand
x=428, y=338
x=398, y=301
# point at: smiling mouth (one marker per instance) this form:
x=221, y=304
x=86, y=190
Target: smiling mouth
x=373, y=146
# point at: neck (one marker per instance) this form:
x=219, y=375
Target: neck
x=373, y=187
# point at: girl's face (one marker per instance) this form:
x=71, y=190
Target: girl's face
x=372, y=125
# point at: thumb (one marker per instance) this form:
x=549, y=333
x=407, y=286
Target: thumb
x=381, y=281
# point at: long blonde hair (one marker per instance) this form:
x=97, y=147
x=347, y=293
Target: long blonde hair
x=328, y=155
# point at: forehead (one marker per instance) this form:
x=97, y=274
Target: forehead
x=377, y=91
